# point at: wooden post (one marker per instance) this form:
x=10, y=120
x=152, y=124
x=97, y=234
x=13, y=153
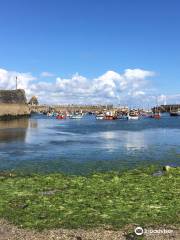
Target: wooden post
x=16, y=83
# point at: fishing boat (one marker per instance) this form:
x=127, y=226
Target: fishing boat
x=133, y=115
x=148, y=114
x=76, y=116
x=175, y=113
x=50, y=114
x=61, y=116
x=156, y=115
x=100, y=116
x=110, y=116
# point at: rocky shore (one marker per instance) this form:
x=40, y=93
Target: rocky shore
x=11, y=232
x=13, y=104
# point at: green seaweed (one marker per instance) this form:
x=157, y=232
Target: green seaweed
x=111, y=199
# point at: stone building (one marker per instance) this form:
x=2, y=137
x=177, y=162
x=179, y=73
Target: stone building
x=33, y=101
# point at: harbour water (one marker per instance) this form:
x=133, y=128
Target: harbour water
x=42, y=144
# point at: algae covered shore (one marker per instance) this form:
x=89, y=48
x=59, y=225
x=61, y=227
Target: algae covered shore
x=113, y=199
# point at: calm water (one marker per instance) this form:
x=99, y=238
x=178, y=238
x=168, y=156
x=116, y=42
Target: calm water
x=81, y=146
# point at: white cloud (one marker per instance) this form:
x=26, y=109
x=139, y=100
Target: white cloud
x=129, y=87
x=139, y=93
x=47, y=74
x=137, y=74
x=8, y=80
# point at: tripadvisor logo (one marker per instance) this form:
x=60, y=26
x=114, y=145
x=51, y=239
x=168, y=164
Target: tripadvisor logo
x=139, y=231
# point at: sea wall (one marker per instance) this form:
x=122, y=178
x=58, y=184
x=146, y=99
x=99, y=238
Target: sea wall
x=13, y=104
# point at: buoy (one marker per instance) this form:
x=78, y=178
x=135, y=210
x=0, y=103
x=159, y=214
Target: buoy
x=167, y=168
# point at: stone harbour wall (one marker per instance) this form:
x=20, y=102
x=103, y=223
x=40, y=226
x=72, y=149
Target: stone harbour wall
x=13, y=104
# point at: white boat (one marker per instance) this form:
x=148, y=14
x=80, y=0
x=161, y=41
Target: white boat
x=132, y=115
x=50, y=114
x=76, y=116
x=175, y=113
x=100, y=116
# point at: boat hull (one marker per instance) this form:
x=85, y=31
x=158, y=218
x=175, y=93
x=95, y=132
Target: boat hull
x=156, y=116
x=110, y=118
x=174, y=114
x=60, y=117
x=100, y=117
x=75, y=117
x=133, y=117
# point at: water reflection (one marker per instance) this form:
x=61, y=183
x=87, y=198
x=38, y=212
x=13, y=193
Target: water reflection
x=110, y=140
x=16, y=123
x=131, y=140
x=33, y=123
x=134, y=140
x=16, y=130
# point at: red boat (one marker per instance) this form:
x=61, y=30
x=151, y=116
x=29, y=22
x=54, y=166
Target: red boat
x=60, y=117
x=110, y=117
x=156, y=116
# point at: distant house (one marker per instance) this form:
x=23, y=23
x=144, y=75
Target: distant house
x=33, y=101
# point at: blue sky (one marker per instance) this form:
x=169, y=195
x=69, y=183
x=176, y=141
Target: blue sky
x=91, y=37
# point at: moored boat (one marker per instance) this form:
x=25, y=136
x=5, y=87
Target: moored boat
x=133, y=115
x=61, y=116
x=50, y=114
x=76, y=116
x=156, y=115
x=130, y=117
x=175, y=113
x=110, y=116
x=100, y=116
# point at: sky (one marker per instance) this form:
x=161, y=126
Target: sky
x=123, y=52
